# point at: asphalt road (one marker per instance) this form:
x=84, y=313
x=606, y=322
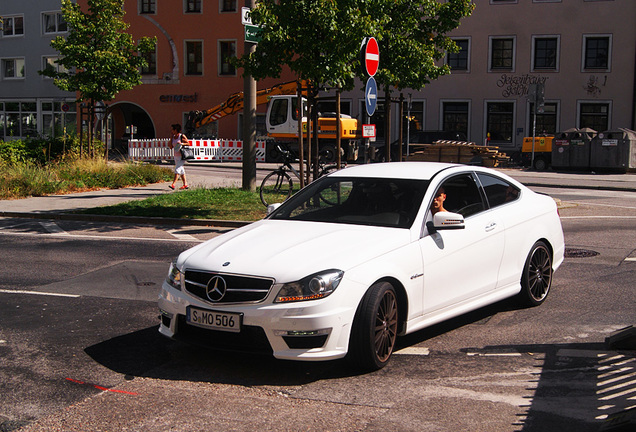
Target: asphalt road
x=79, y=346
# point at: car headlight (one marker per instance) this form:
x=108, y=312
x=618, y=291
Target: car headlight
x=313, y=287
x=174, y=276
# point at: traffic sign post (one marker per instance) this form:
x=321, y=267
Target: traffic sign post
x=371, y=55
x=371, y=96
x=253, y=34
x=368, y=131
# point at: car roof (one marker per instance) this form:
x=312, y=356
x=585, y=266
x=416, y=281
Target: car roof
x=402, y=170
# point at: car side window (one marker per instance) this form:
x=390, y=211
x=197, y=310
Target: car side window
x=462, y=195
x=498, y=191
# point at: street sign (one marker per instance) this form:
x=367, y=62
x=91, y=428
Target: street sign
x=246, y=19
x=253, y=33
x=371, y=56
x=371, y=96
x=368, y=131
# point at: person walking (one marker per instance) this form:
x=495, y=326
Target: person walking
x=178, y=139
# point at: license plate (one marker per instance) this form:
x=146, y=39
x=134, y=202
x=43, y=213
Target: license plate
x=214, y=320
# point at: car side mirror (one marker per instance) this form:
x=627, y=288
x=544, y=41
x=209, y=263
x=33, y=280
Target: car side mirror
x=445, y=221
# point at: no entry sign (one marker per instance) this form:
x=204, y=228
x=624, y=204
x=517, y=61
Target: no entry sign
x=371, y=56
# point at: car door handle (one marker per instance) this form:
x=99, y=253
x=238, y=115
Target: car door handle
x=491, y=226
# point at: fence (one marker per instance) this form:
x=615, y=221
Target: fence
x=204, y=150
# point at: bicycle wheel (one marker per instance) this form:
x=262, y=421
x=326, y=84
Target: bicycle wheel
x=328, y=169
x=276, y=187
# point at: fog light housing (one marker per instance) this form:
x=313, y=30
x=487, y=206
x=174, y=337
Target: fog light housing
x=304, y=339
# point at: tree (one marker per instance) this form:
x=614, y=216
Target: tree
x=98, y=58
x=320, y=40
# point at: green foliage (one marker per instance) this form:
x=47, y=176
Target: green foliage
x=319, y=40
x=41, y=151
x=26, y=170
x=101, y=59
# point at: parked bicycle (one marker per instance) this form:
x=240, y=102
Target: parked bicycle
x=278, y=185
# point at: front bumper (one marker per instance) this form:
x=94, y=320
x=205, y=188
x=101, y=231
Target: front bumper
x=309, y=330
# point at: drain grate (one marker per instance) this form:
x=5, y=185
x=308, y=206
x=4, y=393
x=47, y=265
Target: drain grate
x=579, y=253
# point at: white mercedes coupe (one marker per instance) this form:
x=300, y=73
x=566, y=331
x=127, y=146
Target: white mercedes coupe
x=362, y=256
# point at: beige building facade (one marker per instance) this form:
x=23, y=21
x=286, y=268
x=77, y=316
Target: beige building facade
x=582, y=51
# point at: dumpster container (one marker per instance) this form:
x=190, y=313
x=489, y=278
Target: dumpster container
x=571, y=149
x=614, y=150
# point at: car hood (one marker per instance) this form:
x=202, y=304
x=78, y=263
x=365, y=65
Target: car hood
x=290, y=250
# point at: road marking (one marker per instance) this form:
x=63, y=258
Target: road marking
x=414, y=351
x=4, y=291
x=598, y=217
x=98, y=387
x=181, y=236
x=95, y=237
x=53, y=228
x=630, y=259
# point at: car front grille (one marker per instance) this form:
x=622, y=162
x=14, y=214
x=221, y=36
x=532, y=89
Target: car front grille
x=234, y=288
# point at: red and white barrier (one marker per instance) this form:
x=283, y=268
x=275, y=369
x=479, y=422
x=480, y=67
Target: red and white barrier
x=204, y=150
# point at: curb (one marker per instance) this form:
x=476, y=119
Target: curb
x=142, y=220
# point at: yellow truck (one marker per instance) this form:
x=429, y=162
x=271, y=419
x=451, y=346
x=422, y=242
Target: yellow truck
x=282, y=120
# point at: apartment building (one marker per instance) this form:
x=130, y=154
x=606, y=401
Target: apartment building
x=31, y=104
x=581, y=51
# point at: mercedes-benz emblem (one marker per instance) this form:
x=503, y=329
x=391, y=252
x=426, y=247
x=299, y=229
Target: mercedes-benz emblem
x=216, y=288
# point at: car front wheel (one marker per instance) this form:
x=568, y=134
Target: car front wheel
x=375, y=328
x=536, y=278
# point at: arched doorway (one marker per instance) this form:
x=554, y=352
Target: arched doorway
x=125, y=121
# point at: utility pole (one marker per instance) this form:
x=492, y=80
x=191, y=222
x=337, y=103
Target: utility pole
x=249, y=122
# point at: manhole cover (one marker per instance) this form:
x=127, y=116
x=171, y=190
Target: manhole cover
x=579, y=253
x=146, y=284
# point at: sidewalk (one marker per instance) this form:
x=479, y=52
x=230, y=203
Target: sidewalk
x=60, y=206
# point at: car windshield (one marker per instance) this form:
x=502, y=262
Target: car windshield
x=352, y=200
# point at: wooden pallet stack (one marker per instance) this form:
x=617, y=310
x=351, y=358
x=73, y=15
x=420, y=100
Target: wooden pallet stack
x=458, y=152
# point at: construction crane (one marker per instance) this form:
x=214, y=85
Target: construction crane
x=234, y=104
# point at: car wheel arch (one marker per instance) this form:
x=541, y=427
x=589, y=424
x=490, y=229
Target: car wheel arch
x=402, y=300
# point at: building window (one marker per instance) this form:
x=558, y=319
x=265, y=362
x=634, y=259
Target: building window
x=53, y=22
x=502, y=52
x=13, y=68
x=12, y=26
x=151, y=59
x=58, y=118
x=194, y=58
x=546, y=121
x=192, y=6
x=597, y=52
x=50, y=63
x=594, y=115
x=545, y=53
x=455, y=117
x=500, y=122
x=18, y=119
x=228, y=5
x=227, y=50
x=459, y=61
x=416, y=117
x=147, y=6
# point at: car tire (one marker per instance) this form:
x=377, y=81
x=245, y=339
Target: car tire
x=536, y=278
x=374, y=328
